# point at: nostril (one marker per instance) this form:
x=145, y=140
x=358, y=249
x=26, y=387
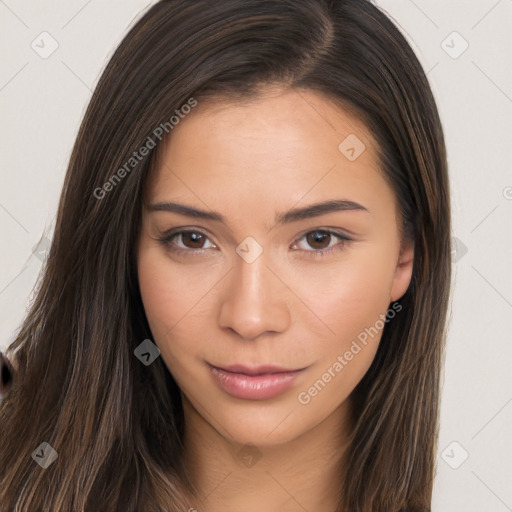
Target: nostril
x=6, y=374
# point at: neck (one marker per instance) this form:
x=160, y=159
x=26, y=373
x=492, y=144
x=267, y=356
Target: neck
x=305, y=473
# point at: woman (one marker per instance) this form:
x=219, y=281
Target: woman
x=195, y=344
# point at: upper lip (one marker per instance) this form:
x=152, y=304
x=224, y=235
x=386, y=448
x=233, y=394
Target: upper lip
x=256, y=370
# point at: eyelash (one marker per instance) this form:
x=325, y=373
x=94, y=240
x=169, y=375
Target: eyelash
x=167, y=238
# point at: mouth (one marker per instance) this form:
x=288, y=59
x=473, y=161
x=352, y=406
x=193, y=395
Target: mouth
x=257, y=383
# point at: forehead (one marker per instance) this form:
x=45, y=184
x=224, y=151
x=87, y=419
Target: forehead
x=276, y=114
x=279, y=148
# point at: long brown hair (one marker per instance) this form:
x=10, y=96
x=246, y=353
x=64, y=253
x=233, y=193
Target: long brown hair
x=117, y=424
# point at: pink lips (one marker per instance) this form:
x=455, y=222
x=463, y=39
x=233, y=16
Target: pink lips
x=258, y=383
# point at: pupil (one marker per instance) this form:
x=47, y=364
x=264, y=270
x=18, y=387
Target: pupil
x=196, y=238
x=316, y=237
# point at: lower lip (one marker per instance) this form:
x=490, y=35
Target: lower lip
x=254, y=387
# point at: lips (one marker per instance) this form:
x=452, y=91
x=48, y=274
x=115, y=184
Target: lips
x=259, y=370
x=257, y=383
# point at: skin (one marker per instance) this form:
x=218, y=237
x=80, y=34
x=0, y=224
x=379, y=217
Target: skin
x=250, y=162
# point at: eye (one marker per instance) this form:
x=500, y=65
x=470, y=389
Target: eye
x=192, y=240
x=321, y=240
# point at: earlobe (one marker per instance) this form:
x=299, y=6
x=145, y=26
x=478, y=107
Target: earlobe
x=403, y=272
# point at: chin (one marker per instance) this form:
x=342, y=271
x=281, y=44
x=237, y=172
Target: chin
x=262, y=425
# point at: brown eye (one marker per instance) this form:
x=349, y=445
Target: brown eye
x=318, y=239
x=192, y=239
x=187, y=241
x=322, y=242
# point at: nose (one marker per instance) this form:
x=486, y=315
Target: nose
x=254, y=300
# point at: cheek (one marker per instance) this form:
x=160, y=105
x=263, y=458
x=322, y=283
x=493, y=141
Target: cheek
x=175, y=303
x=157, y=296
x=350, y=298
x=350, y=295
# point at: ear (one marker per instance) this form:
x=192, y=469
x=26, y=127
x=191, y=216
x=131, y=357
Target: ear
x=403, y=271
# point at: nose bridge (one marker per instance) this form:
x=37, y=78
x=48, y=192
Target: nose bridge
x=253, y=301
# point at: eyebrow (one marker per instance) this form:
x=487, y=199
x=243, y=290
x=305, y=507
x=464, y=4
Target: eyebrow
x=293, y=215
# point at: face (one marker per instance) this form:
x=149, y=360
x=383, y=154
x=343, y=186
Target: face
x=268, y=312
